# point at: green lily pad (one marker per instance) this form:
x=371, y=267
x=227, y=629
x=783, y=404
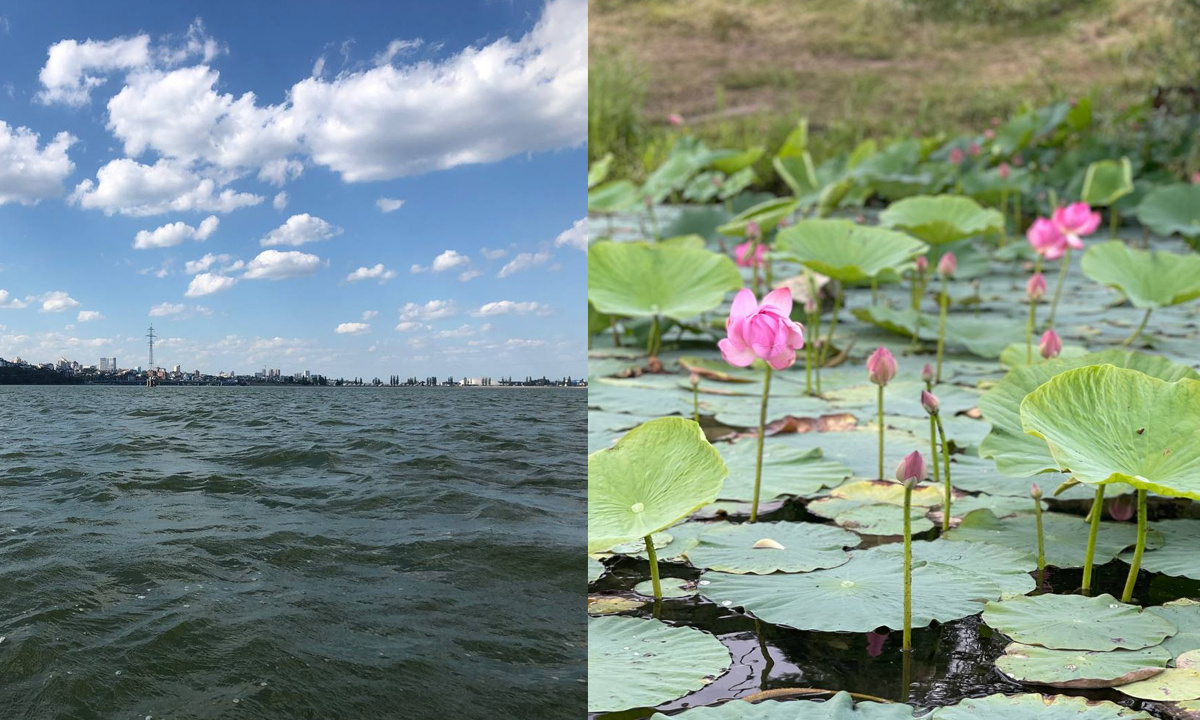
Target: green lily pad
x=1184, y=614
x=1107, y=181
x=659, y=472
x=1006, y=567
x=763, y=548
x=983, y=337
x=1014, y=355
x=1176, y=684
x=839, y=707
x=867, y=518
x=1075, y=622
x=1148, y=278
x=859, y=596
x=787, y=470
x=732, y=161
x=1147, y=439
x=1177, y=556
x=671, y=588
x=999, y=505
x=1032, y=706
x=644, y=663
x=767, y=214
x=1172, y=209
x=612, y=197
x=1023, y=455
x=1064, y=536
x=942, y=218
x=976, y=474
x=676, y=281
x=596, y=569
x=846, y=251
x=1080, y=668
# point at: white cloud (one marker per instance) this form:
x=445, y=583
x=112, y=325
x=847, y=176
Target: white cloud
x=130, y=188
x=406, y=326
x=524, y=261
x=299, y=230
x=278, y=172
x=368, y=314
x=209, y=283
x=175, y=233
x=458, y=332
x=575, y=236
x=397, y=47
x=57, y=301
x=280, y=201
x=29, y=174
x=376, y=272
x=276, y=265
x=65, y=77
x=468, y=275
x=522, y=343
x=10, y=302
x=491, y=254
x=414, y=268
x=165, y=309
x=388, y=205
x=449, y=260
x=88, y=316
x=508, y=307
x=209, y=261
x=352, y=328
x=432, y=310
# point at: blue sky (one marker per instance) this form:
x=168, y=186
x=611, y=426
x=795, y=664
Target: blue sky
x=355, y=189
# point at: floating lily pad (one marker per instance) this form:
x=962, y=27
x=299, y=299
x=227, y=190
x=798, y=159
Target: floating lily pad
x=1080, y=668
x=1031, y=706
x=1148, y=278
x=1177, y=556
x=635, y=400
x=1064, y=536
x=1171, y=209
x=839, y=707
x=1014, y=355
x=1181, y=682
x=1106, y=182
x=846, y=251
x=596, y=570
x=1006, y=567
x=644, y=663
x=1184, y=614
x=767, y=214
x=1022, y=455
x=659, y=472
x=1000, y=505
x=787, y=470
x=982, y=337
x=611, y=604
x=1147, y=439
x=613, y=197
x=671, y=588
x=859, y=596
x=942, y=218
x=763, y=548
x=1075, y=622
x=634, y=279
x=867, y=518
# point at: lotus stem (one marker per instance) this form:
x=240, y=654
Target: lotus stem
x=767, y=274
x=1017, y=214
x=946, y=478
x=762, y=425
x=1136, y=333
x=1062, y=276
x=914, y=293
x=616, y=335
x=754, y=268
x=933, y=455
x=1041, y=541
x=881, y=432
x=1004, y=214
x=653, y=557
x=944, y=300
x=1029, y=332
x=696, y=403
x=874, y=290
x=609, y=217
x=654, y=222
x=1097, y=511
x=1114, y=221
x=654, y=344
x=837, y=306
x=1136, y=565
x=907, y=640
x=814, y=362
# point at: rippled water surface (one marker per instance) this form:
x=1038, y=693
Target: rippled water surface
x=291, y=553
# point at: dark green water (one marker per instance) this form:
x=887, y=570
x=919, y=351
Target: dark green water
x=291, y=553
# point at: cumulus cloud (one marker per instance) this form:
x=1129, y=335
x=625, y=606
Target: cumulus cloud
x=208, y=283
x=175, y=233
x=29, y=173
x=449, y=260
x=165, y=309
x=493, y=254
x=432, y=310
x=299, y=230
x=524, y=261
x=408, y=325
x=127, y=187
x=523, y=343
x=210, y=261
x=280, y=201
x=88, y=316
x=368, y=314
x=352, y=328
x=10, y=302
x=388, y=205
x=57, y=301
x=575, y=236
x=376, y=272
x=73, y=68
x=277, y=265
x=508, y=307
x=468, y=275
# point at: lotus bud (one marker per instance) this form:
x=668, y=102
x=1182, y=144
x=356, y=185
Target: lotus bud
x=1196, y=178
x=911, y=469
x=1004, y=171
x=694, y=379
x=922, y=264
x=947, y=265
x=753, y=231
x=930, y=402
x=974, y=149
x=881, y=366
x=1035, y=492
x=1120, y=508
x=1035, y=288
x=927, y=374
x=1017, y=160
x=956, y=156
x=1051, y=344
x=810, y=305
x=989, y=134
x=675, y=119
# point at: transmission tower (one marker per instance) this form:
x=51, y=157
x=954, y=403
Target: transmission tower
x=151, y=336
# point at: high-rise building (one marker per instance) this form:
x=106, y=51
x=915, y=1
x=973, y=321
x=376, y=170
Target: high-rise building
x=104, y=365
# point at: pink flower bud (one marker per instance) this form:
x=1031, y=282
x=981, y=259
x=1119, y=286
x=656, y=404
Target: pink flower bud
x=974, y=149
x=911, y=469
x=675, y=119
x=1035, y=492
x=1051, y=344
x=927, y=373
x=990, y=134
x=764, y=330
x=1035, y=288
x=930, y=402
x=753, y=231
x=694, y=379
x=922, y=264
x=1004, y=171
x=1196, y=178
x=1120, y=508
x=747, y=255
x=1017, y=161
x=881, y=366
x=947, y=265
x=956, y=156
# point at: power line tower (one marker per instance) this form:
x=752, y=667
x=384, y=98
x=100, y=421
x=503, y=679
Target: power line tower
x=151, y=336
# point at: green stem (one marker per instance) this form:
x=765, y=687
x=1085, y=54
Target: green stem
x=654, y=222
x=944, y=300
x=762, y=424
x=616, y=335
x=1097, y=511
x=816, y=335
x=907, y=642
x=1041, y=543
x=1062, y=276
x=933, y=450
x=946, y=473
x=874, y=291
x=881, y=432
x=654, y=344
x=808, y=360
x=1136, y=565
x=1136, y=333
x=653, y=557
x=696, y=403
x=1029, y=332
x=837, y=306
x=1004, y=214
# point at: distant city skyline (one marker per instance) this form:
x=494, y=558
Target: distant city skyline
x=390, y=190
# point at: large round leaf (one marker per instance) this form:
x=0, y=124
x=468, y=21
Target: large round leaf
x=1181, y=682
x=1108, y=424
x=1150, y=279
x=764, y=548
x=1172, y=209
x=1177, y=556
x=1007, y=567
x=613, y=197
x=1021, y=455
x=1075, y=622
x=1107, y=181
x=786, y=470
x=1032, y=706
x=939, y=219
x=643, y=663
x=838, y=707
x=1184, y=614
x=1064, y=536
x=637, y=279
x=658, y=473
x=1080, y=668
x=859, y=596
x=846, y=251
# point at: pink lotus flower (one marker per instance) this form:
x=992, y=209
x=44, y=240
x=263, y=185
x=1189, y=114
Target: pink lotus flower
x=911, y=469
x=1004, y=171
x=930, y=402
x=974, y=149
x=675, y=119
x=762, y=330
x=947, y=265
x=742, y=254
x=1046, y=239
x=927, y=373
x=694, y=379
x=1035, y=288
x=1074, y=221
x=1050, y=344
x=881, y=366
x=956, y=156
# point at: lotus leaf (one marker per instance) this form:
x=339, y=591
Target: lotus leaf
x=1076, y=622
x=798, y=172
x=786, y=470
x=763, y=548
x=1064, y=536
x=1081, y=668
x=613, y=197
x=659, y=472
x=1107, y=181
x=838, y=707
x=674, y=281
x=671, y=588
x=869, y=518
x=767, y=214
x=942, y=219
x=1148, y=436
x=598, y=171
x=982, y=337
x=1014, y=355
x=732, y=161
x=595, y=570
x=1023, y=455
x=1148, y=278
x=1031, y=706
x=846, y=251
x=1172, y=209
x=859, y=596
x=611, y=604
x=643, y=663
x=1177, y=556
x=1184, y=614
x=1006, y=567
x=1176, y=684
